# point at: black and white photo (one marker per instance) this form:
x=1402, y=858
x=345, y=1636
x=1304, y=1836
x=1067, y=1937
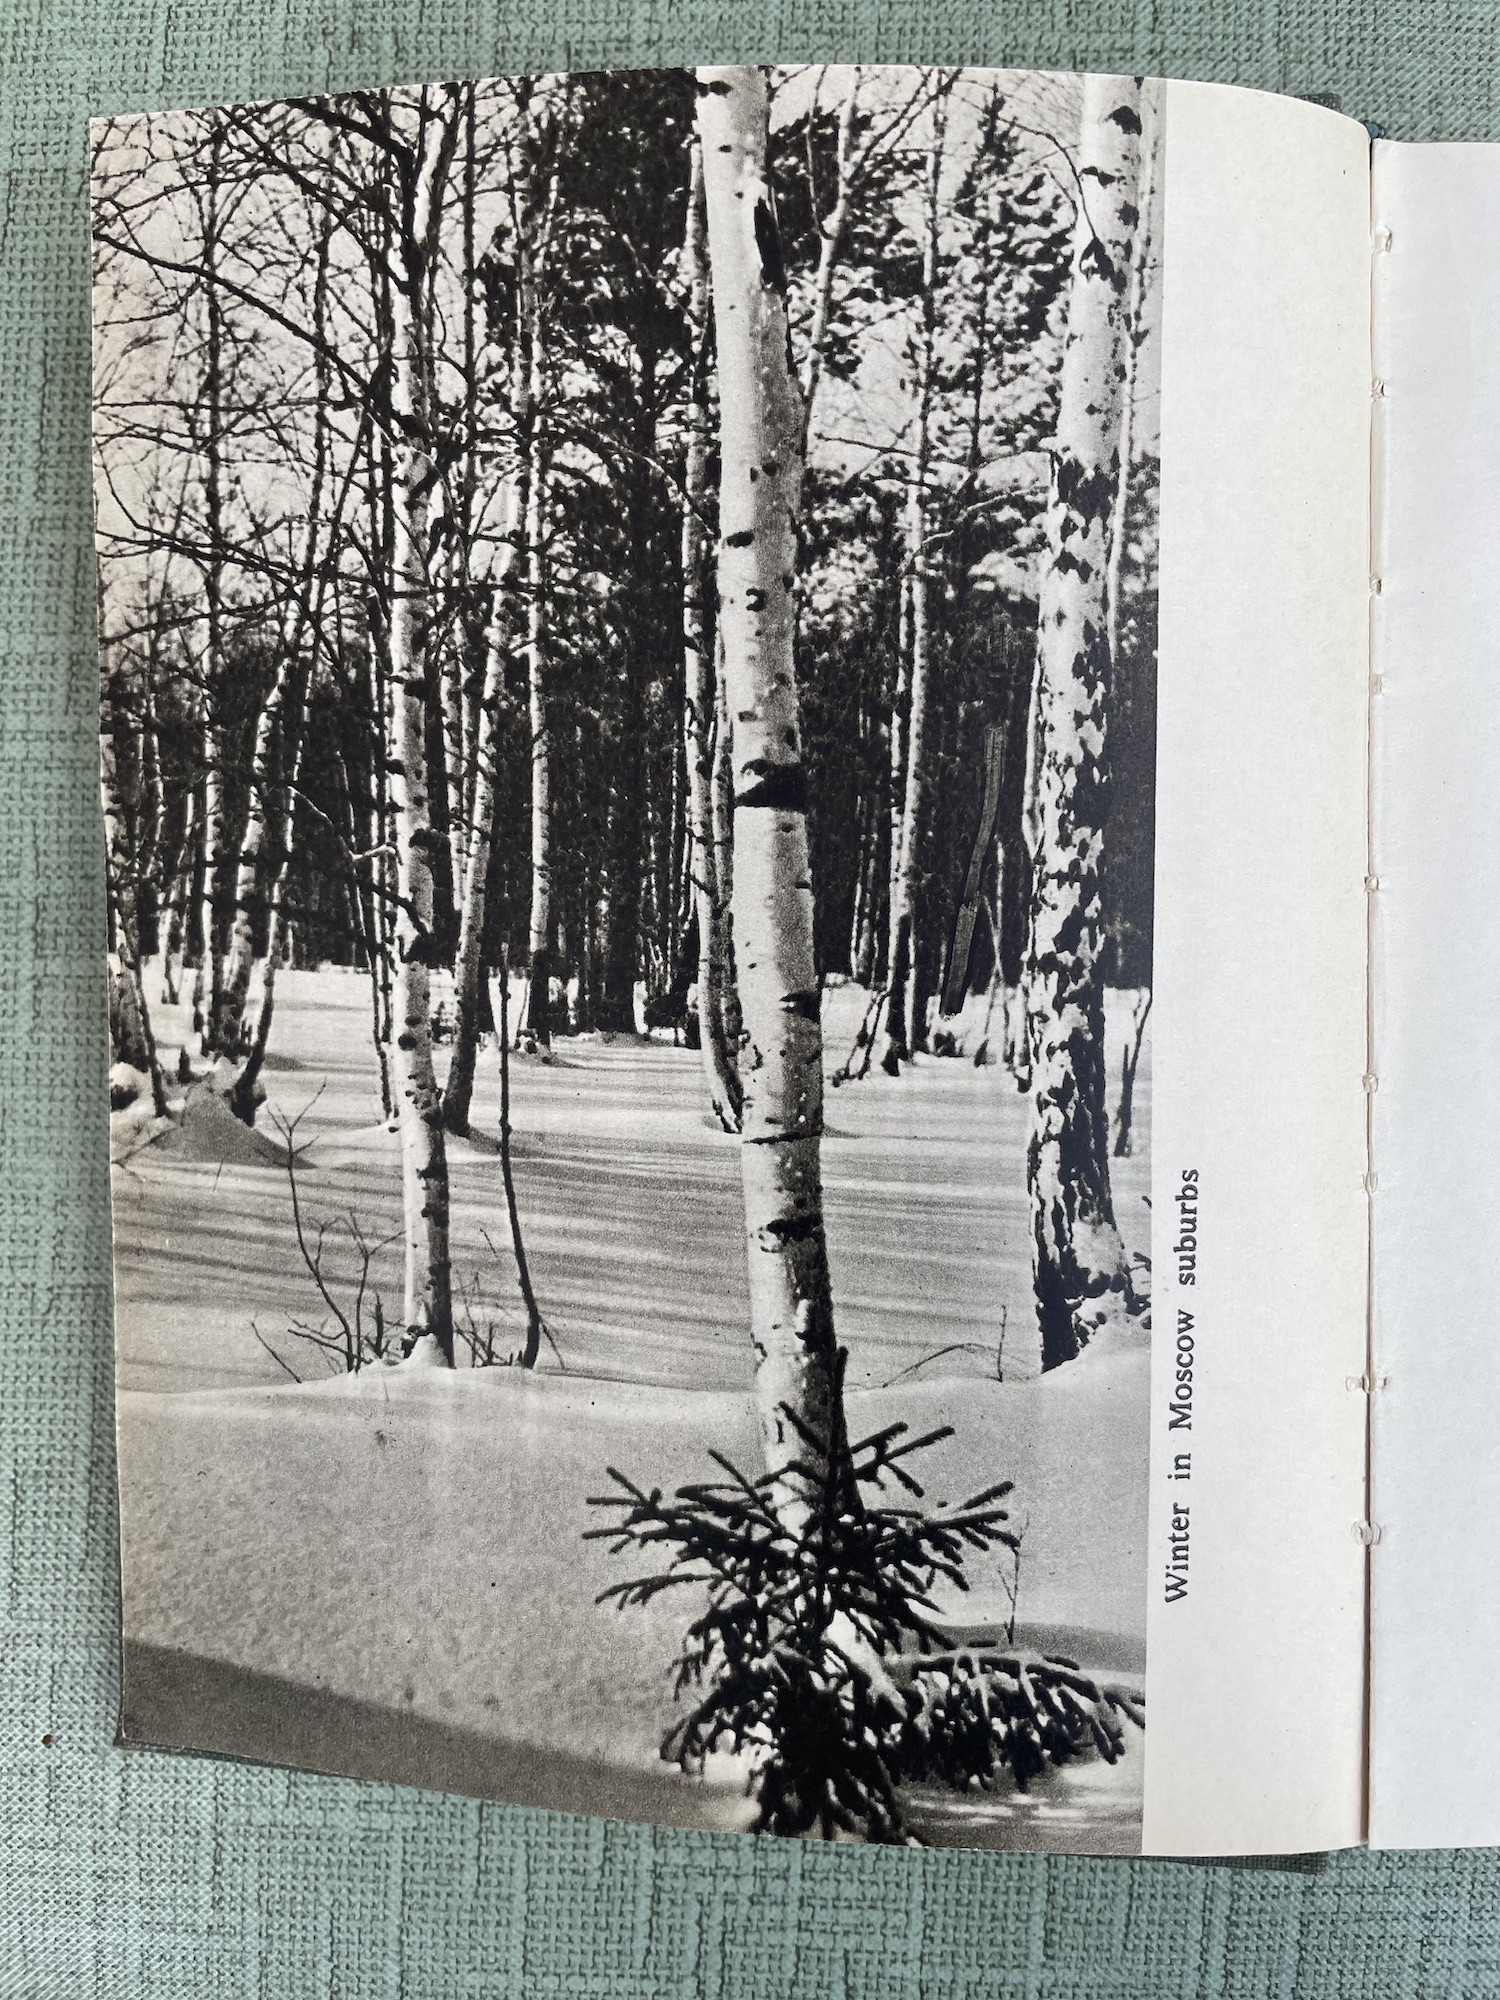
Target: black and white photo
x=627, y=612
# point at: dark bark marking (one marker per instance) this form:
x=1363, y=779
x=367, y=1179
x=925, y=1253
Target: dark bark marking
x=794, y=1228
x=782, y=787
x=1096, y=262
x=423, y=950
x=768, y=243
x=1086, y=490
x=1066, y=560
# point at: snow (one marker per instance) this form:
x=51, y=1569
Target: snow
x=411, y=1539
x=126, y=1085
x=408, y=1543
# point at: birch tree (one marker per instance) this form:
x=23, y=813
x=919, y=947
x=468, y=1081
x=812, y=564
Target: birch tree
x=761, y=428
x=538, y=1019
x=857, y=155
x=422, y=165
x=1140, y=257
x=1078, y=1262
x=134, y=1042
x=903, y=1030
x=457, y=704
x=278, y=730
x=710, y=900
x=534, y=207
x=903, y=1027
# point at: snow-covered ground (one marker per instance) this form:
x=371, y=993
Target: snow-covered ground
x=305, y=1565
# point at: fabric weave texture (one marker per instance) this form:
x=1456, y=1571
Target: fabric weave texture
x=143, y=1873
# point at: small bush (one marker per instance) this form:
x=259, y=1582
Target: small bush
x=816, y=1657
x=341, y=1260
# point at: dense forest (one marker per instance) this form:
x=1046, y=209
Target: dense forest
x=650, y=549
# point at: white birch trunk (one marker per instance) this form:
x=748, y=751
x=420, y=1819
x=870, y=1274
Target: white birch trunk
x=246, y=1097
x=1078, y=1262
x=900, y=701
x=215, y=832
x=175, y=940
x=831, y=237
x=153, y=784
x=456, y=704
x=281, y=717
x=239, y=957
x=719, y=1072
x=721, y=968
x=907, y=805
x=539, y=974
x=1018, y=1016
x=207, y=985
x=1120, y=522
x=466, y=962
x=761, y=424
x=424, y=1165
x=903, y=1031
x=136, y=1037
x=279, y=726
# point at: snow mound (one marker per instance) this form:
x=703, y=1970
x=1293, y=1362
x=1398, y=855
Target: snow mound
x=208, y=1133
x=381, y=1141
x=411, y=1539
x=126, y=1085
x=137, y=1125
x=1071, y=1441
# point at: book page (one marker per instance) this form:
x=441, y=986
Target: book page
x=629, y=651
x=677, y=984
x=1256, y=1635
x=1435, y=1473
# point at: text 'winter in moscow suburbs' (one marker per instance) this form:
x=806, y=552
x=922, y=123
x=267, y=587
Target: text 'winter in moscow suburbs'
x=1180, y=1402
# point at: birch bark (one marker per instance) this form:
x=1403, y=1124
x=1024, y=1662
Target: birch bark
x=1078, y=1262
x=247, y=1094
x=900, y=705
x=136, y=1039
x=215, y=831
x=531, y=256
x=278, y=728
x=761, y=428
x=719, y=1071
x=1139, y=260
x=538, y=1020
x=903, y=1030
x=424, y=1165
x=456, y=699
x=458, y=1091
x=178, y=897
x=721, y=966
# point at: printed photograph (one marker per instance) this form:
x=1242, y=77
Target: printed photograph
x=627, y=618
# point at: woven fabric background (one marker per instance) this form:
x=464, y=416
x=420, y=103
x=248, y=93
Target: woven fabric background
x=144, y=1874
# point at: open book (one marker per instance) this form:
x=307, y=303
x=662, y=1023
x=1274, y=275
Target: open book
x=797, y=772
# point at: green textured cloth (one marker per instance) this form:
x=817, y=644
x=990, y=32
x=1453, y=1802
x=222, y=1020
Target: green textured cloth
x=140, y=1873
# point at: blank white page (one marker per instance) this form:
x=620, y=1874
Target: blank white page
x=1255, y=1677
x=1435, y=1426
